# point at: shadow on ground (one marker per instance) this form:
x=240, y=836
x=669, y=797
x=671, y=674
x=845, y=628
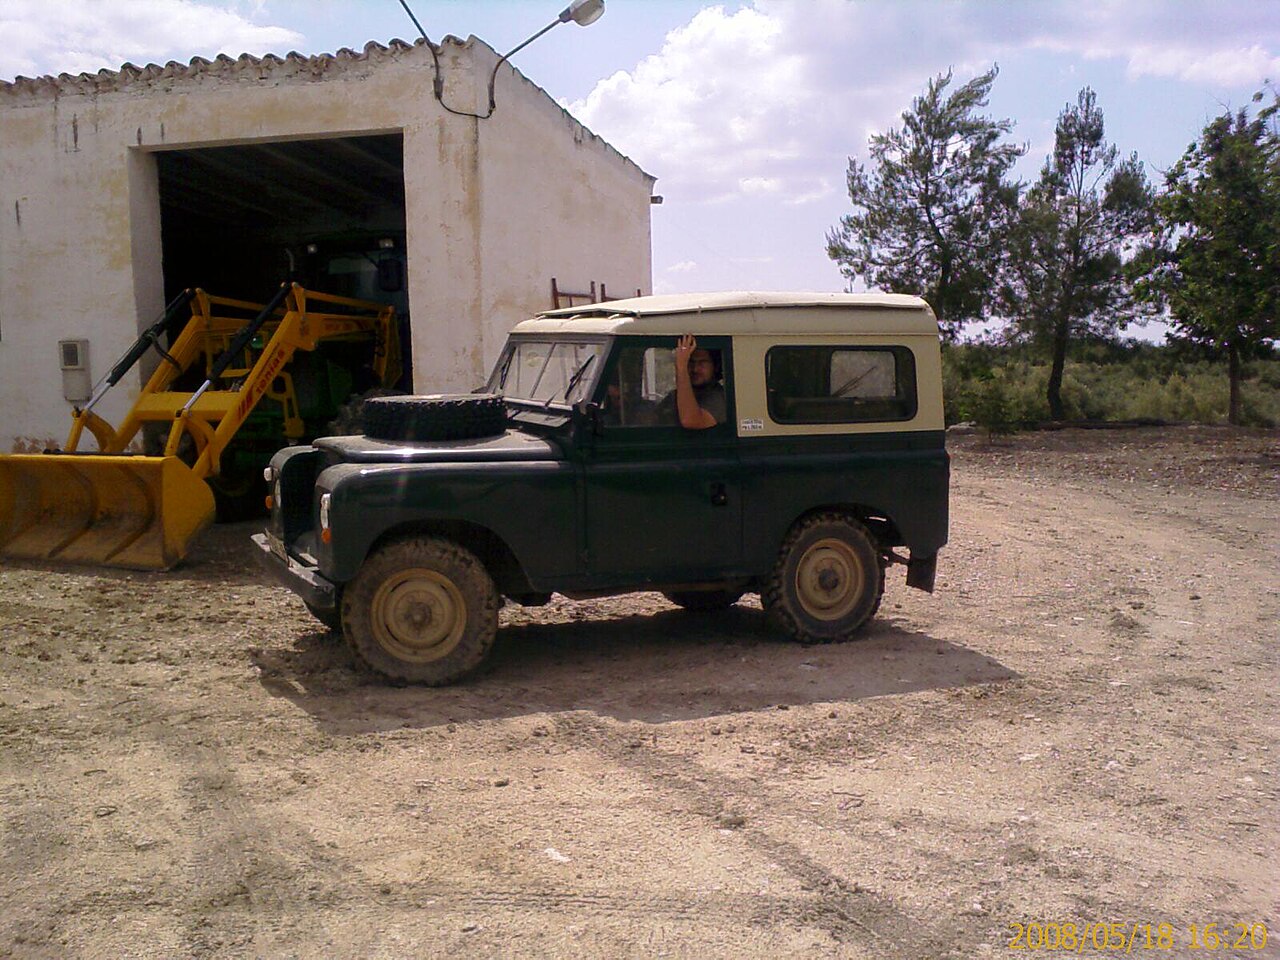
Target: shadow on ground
x=657, y=667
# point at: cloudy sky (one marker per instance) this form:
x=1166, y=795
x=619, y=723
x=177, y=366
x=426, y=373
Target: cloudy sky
x=746, y=111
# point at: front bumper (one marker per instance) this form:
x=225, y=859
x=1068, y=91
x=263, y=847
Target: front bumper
x=298, y=577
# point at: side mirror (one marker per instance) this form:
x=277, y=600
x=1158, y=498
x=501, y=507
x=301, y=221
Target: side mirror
x=587, y=415
x=390, y=275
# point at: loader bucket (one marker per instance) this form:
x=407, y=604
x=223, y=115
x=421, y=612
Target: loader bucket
x=140, y=513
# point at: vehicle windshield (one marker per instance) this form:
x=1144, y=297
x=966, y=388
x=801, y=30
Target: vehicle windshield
x=560, y=372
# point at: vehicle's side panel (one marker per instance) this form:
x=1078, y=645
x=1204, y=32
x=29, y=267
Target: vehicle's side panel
x=902, y=477
x=663, y=504
x=532, y=507
x=663, y=511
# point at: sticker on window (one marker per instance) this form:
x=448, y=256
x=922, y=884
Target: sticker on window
x=750, y=424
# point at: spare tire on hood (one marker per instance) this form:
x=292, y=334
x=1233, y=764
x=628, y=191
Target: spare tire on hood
x=443, y=416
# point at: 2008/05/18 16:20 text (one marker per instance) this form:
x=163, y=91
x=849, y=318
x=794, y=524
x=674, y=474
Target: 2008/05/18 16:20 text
x=1077, y=938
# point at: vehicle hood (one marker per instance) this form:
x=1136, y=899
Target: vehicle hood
x=514, y=445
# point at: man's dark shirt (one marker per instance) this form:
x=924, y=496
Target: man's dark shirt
x=710, y=398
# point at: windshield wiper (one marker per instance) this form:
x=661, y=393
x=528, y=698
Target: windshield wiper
x=506, y=368
x=573, y=380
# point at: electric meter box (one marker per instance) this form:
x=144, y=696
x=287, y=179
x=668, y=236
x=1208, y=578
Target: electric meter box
x=73, y=357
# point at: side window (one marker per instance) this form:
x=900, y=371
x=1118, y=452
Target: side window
x=640, y=390
x=642, y=378
x=840, y=384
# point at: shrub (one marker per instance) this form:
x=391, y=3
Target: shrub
x=1007, y=386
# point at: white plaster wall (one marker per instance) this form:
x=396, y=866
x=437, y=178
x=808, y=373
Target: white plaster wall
x=79, y=214
x=555, y=201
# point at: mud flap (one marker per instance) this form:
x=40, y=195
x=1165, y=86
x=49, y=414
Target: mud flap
x=921, y=572
x=140, y=513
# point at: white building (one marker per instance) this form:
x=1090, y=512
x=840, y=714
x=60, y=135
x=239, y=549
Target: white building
x=118, y=189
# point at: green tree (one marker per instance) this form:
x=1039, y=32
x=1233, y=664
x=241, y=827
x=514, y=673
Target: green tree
x=928, y=207
x=1064, y=274
x=1216, y=261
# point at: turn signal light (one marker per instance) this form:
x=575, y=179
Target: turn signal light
x=270, y=501
x=326, y=535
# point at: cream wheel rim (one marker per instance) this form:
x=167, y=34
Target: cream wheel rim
x=419, y=615
x=829, y=580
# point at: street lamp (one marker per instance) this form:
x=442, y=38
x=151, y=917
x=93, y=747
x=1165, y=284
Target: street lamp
x=582, y=12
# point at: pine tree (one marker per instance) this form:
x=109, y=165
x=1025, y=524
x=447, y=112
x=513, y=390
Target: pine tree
x=929, y=206
x=1064, y=275
x=1216, y=263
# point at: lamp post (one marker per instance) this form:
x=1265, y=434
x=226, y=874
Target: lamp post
x=582, y=12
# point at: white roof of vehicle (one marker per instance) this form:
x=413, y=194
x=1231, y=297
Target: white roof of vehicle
x=742, y=313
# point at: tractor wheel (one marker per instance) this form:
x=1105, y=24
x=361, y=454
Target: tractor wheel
x=238, y=495
x=464, y=416
x=421, y=610
x=705, y=600
x=827, y=582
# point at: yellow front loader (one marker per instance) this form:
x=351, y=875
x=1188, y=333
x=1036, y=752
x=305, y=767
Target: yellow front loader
x=123, y=509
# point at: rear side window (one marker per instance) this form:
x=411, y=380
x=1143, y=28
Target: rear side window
x=840, y=384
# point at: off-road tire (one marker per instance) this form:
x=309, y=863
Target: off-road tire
x=421, y=610
x=349, y=420
x=827, y=581
x=464, y=416
x=331, y=618
x=700, y=601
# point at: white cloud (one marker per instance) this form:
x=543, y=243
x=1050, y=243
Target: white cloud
x=75, y=36
x=684, y=266
x=759, y=184
x=769, y=100
x=1200, y=41
x=1232, y=67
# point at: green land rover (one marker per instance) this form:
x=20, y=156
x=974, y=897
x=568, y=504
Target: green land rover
x=571, y=473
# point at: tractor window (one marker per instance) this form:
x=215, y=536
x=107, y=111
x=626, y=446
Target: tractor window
x=840, y=384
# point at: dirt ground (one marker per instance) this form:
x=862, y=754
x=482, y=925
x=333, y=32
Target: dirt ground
x=1080, y=726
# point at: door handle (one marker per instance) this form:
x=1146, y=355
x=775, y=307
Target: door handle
x=719, y=495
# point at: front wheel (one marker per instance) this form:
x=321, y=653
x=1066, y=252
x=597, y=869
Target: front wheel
x=422, y=610
x=827, y=582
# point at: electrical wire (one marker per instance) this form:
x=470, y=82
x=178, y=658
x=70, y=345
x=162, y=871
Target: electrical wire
x=437, y=83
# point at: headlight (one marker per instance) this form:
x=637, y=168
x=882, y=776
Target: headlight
x=325, y=534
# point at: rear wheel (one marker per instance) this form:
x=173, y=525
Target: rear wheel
x=422, y=610
x=701, y=600
x=827, y=582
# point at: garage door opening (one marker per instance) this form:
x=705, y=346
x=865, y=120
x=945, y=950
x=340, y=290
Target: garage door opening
x=330, y=214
